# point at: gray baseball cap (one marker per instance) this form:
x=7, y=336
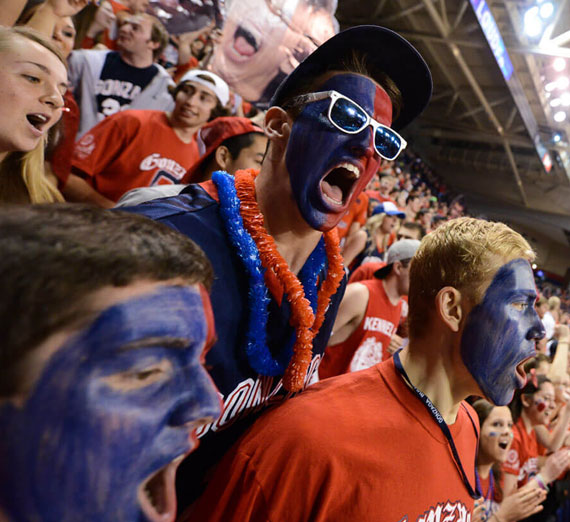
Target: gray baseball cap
x=399, y=251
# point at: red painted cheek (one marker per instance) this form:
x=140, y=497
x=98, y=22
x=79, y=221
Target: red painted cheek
x=382, y=107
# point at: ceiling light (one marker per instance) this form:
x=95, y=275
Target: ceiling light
x=556, y=138
x=563, y=82
x=534, y=266
x=559, y=117
x=565, y=99
x=551, y=86
x=532, y=23
x=559, y=64
x=556, y=102
x=546, y=10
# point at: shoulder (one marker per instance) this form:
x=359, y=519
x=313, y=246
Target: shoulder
x=187, y=205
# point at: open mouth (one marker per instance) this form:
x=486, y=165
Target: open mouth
x=338, y=184
x=157, y=496
x=245, y=43
x=521, y=374
x=38, y=121
x=504, y=444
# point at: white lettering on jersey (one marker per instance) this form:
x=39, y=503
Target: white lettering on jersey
x=368, y=354
x=85, y=146
x=155, y=161
x=448, y=512
x=119, y=88
x=377, y=324
x=250, y=396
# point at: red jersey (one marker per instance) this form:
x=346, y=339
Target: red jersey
x=365, y=272
x=522, y=459
x=60, y=158
x=361, y=447
x=367, y=345
x=357, y=213
x=132, y=149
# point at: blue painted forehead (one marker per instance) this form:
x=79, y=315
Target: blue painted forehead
x=175, y=311
x=354, y=86
x=514, y=276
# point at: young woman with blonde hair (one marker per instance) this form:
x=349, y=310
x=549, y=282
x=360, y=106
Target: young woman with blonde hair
x=31, y=101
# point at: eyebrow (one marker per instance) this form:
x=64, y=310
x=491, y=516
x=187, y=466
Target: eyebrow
x=179, y=343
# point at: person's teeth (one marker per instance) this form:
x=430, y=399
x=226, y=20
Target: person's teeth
x=351, y=168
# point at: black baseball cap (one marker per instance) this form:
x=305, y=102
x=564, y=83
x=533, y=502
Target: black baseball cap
x=385, y=50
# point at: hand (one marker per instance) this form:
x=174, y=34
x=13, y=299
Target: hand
x=395, y=344
x=557, y=463
x=68, y=7
x=103, y=19
x=479, y=512
x=522, y=504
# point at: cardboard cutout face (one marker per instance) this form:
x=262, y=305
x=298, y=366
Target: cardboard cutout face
x=112, y=413
x=500, y=332
x=329, y=168
x=264, y=40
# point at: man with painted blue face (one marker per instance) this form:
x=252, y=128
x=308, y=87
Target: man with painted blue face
x=269, y=234
x=105, y=324
x=397, y=442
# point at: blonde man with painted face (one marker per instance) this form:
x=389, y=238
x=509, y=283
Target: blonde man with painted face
x=400, y=441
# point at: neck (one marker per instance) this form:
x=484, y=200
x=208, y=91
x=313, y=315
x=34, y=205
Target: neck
x=390, y=285
x=3, y=156
x=434, y=372
x=184, y=132
x=484, y=466
x=526, y=421
x=137, y=60
x=294, y=238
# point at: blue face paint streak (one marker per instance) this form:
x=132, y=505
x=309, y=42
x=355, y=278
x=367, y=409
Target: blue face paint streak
x=498, y=334
x=109, y=410
x=315, y=147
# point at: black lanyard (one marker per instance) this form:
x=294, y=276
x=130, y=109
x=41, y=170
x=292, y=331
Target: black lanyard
x=442, y=425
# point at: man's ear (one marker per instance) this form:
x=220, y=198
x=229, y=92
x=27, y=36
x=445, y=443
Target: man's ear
x=223, y=157
x=448, y=303
x=277, y=126
x=526, y=401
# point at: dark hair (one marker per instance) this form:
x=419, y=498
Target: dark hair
x=234, y=144
x=415, y=226
x=529, y=389
x=483, y=409
x=55, y=256
x=357, y=64
x=217, y=112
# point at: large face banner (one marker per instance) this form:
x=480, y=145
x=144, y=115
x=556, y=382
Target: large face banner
x=181, y=16
x=264, y=40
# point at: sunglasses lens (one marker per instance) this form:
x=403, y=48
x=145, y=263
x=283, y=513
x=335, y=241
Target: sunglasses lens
x=348, y=116
x=388, y=144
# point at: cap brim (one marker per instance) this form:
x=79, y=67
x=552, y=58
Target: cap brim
x=381, y=273
x=401, y=215
x=385, y=50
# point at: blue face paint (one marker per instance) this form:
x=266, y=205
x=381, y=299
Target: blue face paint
x=501, y=331
x=113, y=406
x=316, y=147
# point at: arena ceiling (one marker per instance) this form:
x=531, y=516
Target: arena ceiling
x=481, y=128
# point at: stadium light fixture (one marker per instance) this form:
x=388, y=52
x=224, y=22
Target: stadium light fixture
x=559, y=117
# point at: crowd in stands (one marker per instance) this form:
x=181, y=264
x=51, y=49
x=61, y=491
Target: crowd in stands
x=94, y=111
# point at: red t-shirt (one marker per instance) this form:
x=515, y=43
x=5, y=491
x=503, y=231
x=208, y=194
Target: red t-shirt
x=357, y=212
x=359, y=447
x=132, y=149
x=60, y=159
x=367, y=345
x=522, y=459
x=365, y=272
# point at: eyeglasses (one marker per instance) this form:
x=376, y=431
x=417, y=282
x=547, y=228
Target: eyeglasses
x=347, y=116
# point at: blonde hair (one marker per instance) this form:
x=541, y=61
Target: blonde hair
x=373, y=224
x=553, y=303
x=22, y=174
x=463, y=253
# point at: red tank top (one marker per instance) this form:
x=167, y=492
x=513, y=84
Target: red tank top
x=367, y=345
